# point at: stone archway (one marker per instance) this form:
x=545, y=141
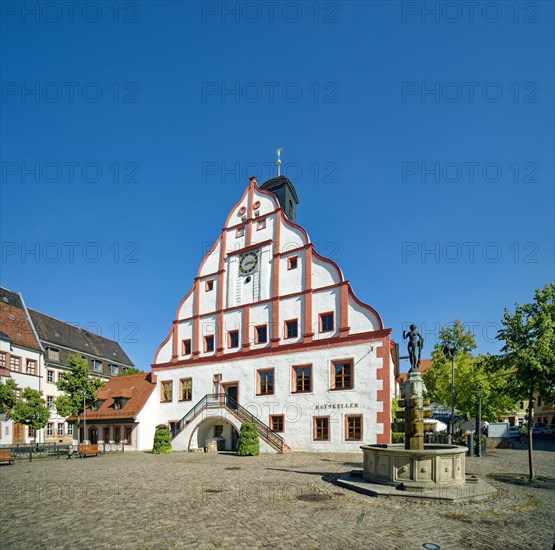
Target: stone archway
x=215, y=426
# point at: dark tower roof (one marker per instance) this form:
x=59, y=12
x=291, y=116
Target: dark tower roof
x=285, y=193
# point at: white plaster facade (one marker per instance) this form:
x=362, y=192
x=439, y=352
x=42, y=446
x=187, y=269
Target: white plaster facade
x=263, y=271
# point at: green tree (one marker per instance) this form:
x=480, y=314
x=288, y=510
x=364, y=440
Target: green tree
x=249, y=443
x=471, y=372
x=77, y=385
x=162, y=440
x=529, y=350
x=130, y=370
x=31, y=410
x=8, y=398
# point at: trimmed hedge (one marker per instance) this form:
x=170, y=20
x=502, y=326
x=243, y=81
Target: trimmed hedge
x=249, y=444
x=162, y=440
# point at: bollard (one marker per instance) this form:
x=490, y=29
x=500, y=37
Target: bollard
x=470, y=444
x=30, y=454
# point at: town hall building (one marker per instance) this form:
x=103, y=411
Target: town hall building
x=271, y=332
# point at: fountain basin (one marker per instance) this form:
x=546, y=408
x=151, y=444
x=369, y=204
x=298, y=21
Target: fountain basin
x=434, y=467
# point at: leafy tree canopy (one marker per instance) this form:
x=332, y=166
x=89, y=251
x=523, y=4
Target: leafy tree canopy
x=471, y=372
x=74, y=383
x=130, y=370
x=8, y=397
x=31, y=410
x=529, y=346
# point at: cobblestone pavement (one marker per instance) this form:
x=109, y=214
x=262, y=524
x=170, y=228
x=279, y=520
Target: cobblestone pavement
x=220, y=501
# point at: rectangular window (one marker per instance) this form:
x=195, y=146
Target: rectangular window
x=31, y=366
x=240, y=231
x=53, y=354
x=291, y=329
x=218, y=431
x=302, y=379
x=70, y=429
x=61, y=430
x=186, y=391
x=342, y=375
x=265, y=382
x=18, y=392
x=107, y=437
x=261, y=224
x=50, y=401
x=61, y=376
x=321, y=428
x=353, y=425
x=233, y=339
x=117, y=434
x=167, y=392
x=261, y=334
x=209, y=343
x=114, y=369
x=50, y=376
x=15, y=363
x=277, y=422
x=31, y=431
x=186, y=347
x=50, y=429
x=97, y=365
x=292, y=262
x=128, y=430
x=2, y=360
x=209, y=285
x=326, y=322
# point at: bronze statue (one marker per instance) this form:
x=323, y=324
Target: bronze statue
x=415, y=345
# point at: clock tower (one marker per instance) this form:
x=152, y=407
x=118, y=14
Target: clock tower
x=285, y=193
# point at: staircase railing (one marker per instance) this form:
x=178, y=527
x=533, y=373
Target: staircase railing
x=212, y=400
x=246, y=416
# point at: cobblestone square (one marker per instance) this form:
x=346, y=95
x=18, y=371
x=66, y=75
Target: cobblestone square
x=219, y=501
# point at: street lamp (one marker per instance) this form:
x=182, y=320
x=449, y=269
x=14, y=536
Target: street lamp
x=450, y=350
x=84, y=416
x=479, y=393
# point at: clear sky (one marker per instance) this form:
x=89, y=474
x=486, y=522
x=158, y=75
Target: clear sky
x=419, y=136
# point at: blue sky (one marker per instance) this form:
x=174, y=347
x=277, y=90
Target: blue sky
x=420, y=143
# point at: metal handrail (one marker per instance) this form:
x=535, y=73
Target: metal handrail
x=222, y=399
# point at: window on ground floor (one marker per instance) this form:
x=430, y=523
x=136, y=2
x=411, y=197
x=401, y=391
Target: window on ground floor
x=321, y=428
x=353, y=427
x=277, y=422
x=128, y=430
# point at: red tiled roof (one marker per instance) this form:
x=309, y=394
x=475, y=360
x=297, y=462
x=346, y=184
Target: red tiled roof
x=14, y=321
x=135, y=387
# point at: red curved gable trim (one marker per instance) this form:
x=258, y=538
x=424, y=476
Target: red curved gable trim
x=162, y=345
x=327, y=260
x=208, y=254
x=245, y=193
x=367, y=306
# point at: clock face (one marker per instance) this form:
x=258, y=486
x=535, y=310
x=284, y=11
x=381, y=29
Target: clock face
x=248, y=262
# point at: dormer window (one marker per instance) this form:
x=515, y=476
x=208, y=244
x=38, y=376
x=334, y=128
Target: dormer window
x=53, y=354
x=120, y=402
x=114, y=369
x=97, y=404
x=97, y=365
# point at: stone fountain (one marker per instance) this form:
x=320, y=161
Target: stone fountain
x=415, y=469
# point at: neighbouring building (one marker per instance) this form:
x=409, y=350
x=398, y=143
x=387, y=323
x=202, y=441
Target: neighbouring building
x=21, y=359
x=35, y=350
x=118, y=412
x=59, y=340
x=271, y=332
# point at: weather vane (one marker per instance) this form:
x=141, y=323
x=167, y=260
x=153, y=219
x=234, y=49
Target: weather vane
x=279, y=160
